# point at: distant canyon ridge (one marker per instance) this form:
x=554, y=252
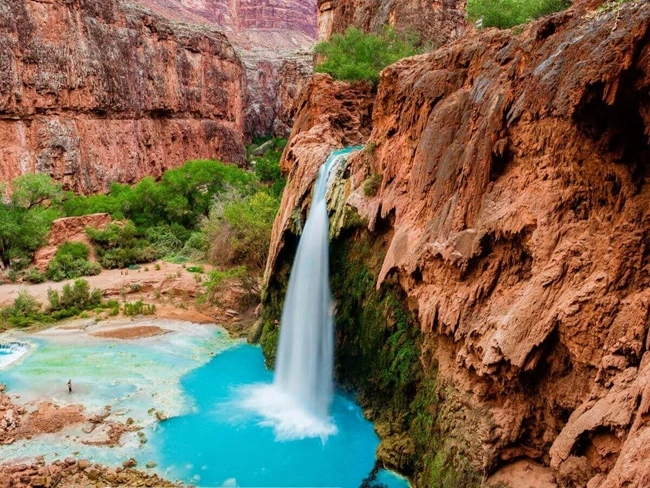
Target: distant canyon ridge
x=98, y=91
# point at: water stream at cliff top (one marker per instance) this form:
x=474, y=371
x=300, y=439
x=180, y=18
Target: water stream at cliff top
x=297, y=404
x=192, y=374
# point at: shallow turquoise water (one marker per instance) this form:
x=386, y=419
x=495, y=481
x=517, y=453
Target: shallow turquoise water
x=195, y=375
x=220, y=445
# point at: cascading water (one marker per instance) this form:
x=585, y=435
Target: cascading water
x=297, y=404
x=11, y=352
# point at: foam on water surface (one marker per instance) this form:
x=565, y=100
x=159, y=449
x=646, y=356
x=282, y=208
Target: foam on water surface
x=10, y=352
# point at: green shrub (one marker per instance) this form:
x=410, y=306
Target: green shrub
x=216, y=279
x=181, y=197
x=119, y=246
x=195, y=247
x=164, y=240
x=508, y=13
x=71, y=261
x=371, y=187
x=76, y=250
x=73, y=299
x=139, y=308
x=239, y=230
x=35, y=276
x=25, y=311
x=357, y=56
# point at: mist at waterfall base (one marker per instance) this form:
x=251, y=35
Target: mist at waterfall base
x=297, y=404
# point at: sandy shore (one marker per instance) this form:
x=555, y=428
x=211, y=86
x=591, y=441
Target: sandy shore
x=172, y=288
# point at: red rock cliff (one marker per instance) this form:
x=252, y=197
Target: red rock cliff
x=515, y=205
x=272, y=37
x=99, y=91
x=242, y=15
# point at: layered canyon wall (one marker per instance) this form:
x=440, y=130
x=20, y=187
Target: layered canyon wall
x=490, y=251
x=94, y=92
x=97, y=92
x=273, y=39
x=435, y=21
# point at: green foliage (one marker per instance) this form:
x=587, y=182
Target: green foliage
x=119, y=246
x=22, y=231
x=30, y=190
x=251, y=222
x=357, y=56
x=35, y=276
x=73, y=299
x=371, y=186
x=196, y=247
x=164, y=240
x=139, y=308
x=216, y=278
x=508, y=13
x=267, y=166
x=239, y=229
x=181, y=197
x=71, y=261
x=25, y=311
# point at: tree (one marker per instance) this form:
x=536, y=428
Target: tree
x=22, y=231
x=357, y=56
x=31, y=189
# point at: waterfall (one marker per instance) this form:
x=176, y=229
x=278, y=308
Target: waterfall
x=306, y=349
x=297, y=404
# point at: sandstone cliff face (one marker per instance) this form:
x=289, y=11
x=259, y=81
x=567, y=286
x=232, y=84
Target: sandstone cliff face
x=242, y=15
x=436, y=21
x=273, y=39
x=513, y=211
x=93, y=92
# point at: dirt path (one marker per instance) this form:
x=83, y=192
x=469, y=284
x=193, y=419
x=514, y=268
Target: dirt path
x=169, y=279
x=172, y=288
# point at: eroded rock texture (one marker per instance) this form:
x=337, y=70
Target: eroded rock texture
x=435, y=21
x=274, y=40
x=94, y=91
x=512, y=194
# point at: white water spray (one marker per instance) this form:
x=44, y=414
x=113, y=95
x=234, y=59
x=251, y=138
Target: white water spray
x=297, y=404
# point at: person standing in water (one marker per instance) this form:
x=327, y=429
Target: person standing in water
x=69, y=386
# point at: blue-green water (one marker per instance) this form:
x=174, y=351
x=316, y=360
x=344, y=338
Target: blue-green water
x=197, y=376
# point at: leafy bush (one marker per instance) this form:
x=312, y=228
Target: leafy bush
x=73, y=299
x=139, y=308
x=181, y=197
x=357, y=56
x=267, y=166
x=216, y=280
x=371, y=187
x=164, y=241
x=71, y=261
x=25, y=311
x=118, y=246
x=239, y=230
x=508, y=13
x=35, y=276
x=22, y=231
x=195, y=247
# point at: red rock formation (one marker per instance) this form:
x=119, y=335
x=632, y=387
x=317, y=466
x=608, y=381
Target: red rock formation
x=243, y=15
x=329, y=115
x=68, y=229
x=436, y=21
x=272, y=37
x=99, y=91
x=515, y=202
